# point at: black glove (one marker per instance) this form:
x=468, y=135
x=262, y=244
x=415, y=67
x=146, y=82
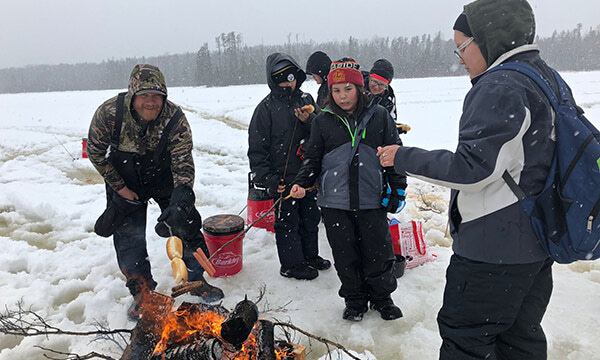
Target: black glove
x=117, y=210
x=272, y=185
x=394, y=201
x=180, y=206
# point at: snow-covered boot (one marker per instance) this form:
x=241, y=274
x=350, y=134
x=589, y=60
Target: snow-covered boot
x=354, y=310
x=387, y=309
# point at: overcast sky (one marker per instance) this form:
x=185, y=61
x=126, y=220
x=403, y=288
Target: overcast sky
x=72, y=31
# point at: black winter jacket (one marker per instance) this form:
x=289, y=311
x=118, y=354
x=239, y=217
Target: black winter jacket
x=271, y=128
x=387, y=99
x=322, y=93
x=341, y=157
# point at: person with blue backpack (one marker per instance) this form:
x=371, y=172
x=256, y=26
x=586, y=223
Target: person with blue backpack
x=499, y=279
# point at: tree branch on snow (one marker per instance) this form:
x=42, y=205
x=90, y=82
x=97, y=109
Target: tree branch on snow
x=22, y=322
x=116, y=338
x=266, y=308
x=323, y=340
x=28, y=323
x=70, y=356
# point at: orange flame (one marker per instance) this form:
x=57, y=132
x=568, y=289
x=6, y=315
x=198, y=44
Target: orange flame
x=178, y=325
x=181, y=324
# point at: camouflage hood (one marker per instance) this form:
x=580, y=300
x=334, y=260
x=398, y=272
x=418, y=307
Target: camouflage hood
x=499, y=26
x=146, y=78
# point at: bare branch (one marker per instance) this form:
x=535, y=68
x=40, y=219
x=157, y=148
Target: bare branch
x=71, y=356
x=28, y=323
x=325, y=341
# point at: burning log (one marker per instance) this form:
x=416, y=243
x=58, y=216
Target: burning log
x=238, y=325
x=211, y=349
x=266, y=340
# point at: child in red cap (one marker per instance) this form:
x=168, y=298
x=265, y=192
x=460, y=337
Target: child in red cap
x=341, y=157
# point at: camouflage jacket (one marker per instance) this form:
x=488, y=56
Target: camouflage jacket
x=132, y=138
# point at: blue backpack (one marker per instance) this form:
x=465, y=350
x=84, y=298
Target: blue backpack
x=564, y=214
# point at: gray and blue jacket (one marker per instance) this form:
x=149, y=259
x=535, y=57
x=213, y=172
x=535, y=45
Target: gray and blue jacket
x=341, y=158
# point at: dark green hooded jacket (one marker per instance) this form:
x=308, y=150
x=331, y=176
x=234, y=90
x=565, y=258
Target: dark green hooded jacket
x=499, y=26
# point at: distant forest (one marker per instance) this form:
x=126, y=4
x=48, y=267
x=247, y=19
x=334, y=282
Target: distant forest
x=233, y=63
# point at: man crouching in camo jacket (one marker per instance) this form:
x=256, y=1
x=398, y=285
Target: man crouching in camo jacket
x=141, y=144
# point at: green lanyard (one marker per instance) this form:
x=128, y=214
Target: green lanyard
x=352, y=134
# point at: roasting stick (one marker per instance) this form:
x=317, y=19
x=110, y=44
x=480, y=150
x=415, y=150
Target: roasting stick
x=205, y=262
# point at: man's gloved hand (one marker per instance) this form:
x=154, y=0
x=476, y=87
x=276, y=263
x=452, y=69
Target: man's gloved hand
x=180, y=205
x=394, y=201
x=174, y=216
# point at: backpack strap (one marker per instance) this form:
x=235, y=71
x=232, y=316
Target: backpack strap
x=542, y=83
x=536, y=77
x=116, y=134
x=165, y=135
x=514, y=187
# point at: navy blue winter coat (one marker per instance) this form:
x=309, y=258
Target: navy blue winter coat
x=507, y=124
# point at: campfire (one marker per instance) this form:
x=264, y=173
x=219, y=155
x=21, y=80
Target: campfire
x=204, y=332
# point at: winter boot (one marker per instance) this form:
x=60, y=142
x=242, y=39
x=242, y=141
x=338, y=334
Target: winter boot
x=386, y=309
x=318, y=263
x=300, y=271
x=207, y=292
x=355, y=309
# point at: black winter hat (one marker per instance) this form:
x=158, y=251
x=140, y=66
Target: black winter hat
x=462, y=25
x=383, y=69
x=284, y=71
x=318, y=63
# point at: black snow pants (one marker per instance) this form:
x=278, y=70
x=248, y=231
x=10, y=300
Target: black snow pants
x=296, y=229
x=362, y=253
x=493, y=311
x=130, y=245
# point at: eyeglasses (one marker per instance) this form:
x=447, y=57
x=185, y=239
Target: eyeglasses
x=377, y=83
x=459, y=50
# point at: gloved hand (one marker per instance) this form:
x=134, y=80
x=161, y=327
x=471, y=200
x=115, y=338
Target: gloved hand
x=272, y=185
x=174, y=216
x=180, y=205
x=394, y=201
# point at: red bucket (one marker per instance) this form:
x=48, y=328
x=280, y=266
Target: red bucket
x=258, y=205
x=84, y=148
x=218, y=230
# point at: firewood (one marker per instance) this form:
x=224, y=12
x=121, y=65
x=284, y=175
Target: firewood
x=265, y=340
x=238, y=325
x=211, y=349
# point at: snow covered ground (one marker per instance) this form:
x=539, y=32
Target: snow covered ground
x=54, y=263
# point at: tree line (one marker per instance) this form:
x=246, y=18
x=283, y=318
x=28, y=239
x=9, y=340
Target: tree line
x=233, y=63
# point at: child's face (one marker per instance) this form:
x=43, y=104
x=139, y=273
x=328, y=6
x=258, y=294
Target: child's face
x=291, y=84
x=345, y=96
